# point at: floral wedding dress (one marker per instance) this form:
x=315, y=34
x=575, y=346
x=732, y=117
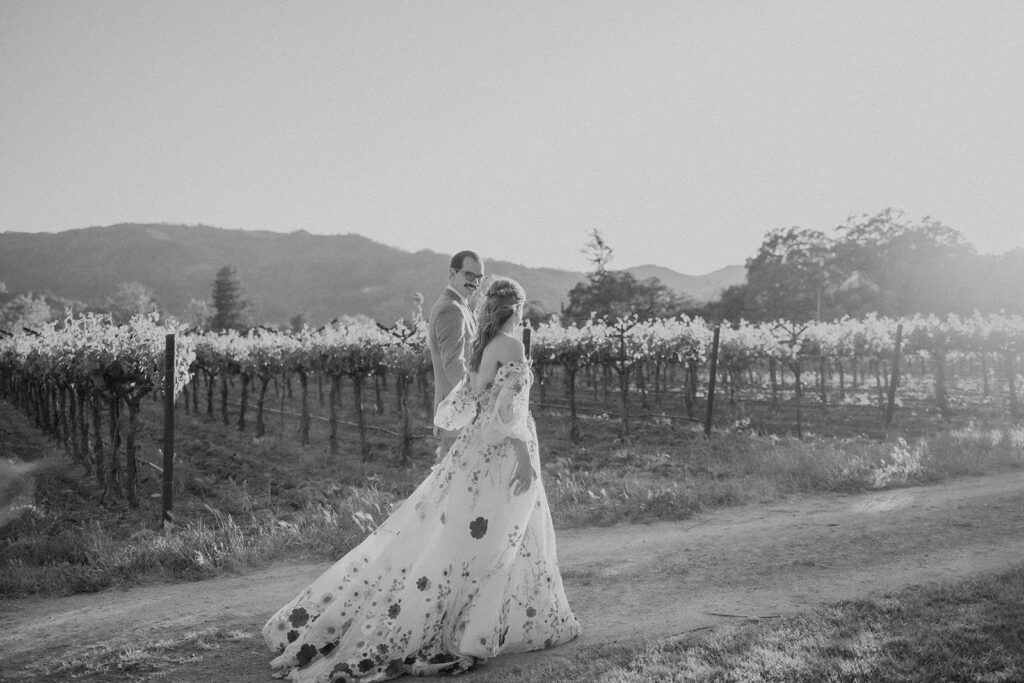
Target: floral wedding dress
x=463, y=570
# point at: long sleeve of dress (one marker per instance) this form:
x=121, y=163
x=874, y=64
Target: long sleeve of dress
x=458, y=408
x=510, y=418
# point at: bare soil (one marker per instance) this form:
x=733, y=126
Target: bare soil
x=627, y=584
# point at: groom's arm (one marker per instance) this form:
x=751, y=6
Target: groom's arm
x=451, y=342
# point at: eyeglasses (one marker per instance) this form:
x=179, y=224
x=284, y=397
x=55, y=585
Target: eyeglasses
x=471, y=276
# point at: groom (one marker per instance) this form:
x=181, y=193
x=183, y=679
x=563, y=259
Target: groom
x=450, y=332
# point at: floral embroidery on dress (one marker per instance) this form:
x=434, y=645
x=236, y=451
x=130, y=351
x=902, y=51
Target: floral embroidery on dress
x=462, y=570
x=458, y=408
x=478, y=527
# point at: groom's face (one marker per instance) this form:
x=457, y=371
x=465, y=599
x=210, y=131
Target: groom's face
x=468, y=279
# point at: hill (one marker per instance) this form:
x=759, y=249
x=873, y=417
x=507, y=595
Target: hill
x=698, y=287
x=319, y=276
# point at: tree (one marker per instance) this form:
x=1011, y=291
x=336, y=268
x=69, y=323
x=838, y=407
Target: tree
x=131, y=299
x=24, y=310
x=894, y=267
x=198, y=314
x=792, y=276
x=998, y=282
x=417, y=307
x=881, y=264
x=731, y=305
x=231, y=309
x=597, y=251
x=617, y=293
x=535, y=313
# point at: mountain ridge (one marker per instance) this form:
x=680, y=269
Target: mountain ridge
x=284, y=274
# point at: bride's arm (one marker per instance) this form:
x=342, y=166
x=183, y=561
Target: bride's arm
x=512, y=416
x=511, y=422
x=524, y=474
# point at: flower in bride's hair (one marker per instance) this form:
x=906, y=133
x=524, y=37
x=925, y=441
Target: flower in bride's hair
x=506, y=289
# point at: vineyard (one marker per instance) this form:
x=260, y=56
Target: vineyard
x=84, y=381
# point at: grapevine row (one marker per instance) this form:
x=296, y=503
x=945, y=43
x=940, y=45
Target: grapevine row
x=65, y=376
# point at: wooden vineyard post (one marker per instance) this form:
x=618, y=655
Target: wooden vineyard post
x=774, y=378
x=76, y=454
x=357, y=392
x=623, y=368
x=167, y=514
x=113, y=467
x=83, y=430
x=540, y=381
x=941, y=395
x=62, y=395
x=379, y=385
x=243, y=403
x=304, y=396
x=211, y=377
x=97, y=438
x=571, y=368
x=335, y=391
x=1011, y=378
x=712, y=373
x=798, y=388
x=130, y=463
x=224, y=397
x=261, y=427
x=690, y=393
x=894, y=379
x=822, y=372
x=403, y=383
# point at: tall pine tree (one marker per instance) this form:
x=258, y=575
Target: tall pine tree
x=229, y=303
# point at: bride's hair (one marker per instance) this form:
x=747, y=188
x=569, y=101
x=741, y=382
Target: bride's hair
x=499, y=304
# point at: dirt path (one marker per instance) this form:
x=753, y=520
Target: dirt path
x=625, y=584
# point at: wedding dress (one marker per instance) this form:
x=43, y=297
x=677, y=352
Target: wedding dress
x=462, y=570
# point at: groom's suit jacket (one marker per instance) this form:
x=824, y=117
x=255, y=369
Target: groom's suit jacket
x=450, y=332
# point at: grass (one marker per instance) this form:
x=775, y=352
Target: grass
x=13, y=478
x=16, y=483
x=111, y=659
x=242, y=502
x=44, y=554
x=965, y=631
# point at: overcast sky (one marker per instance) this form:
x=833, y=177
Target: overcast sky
x=683, y=131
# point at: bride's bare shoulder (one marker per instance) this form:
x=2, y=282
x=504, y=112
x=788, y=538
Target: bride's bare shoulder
x=509, y=349
x=502, y=350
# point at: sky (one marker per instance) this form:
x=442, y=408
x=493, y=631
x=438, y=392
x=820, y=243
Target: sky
x=682, y=131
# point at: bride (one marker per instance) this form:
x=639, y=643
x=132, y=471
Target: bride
x=465, y=568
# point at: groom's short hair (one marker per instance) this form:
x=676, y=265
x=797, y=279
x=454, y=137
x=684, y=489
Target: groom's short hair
x=459, y=258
